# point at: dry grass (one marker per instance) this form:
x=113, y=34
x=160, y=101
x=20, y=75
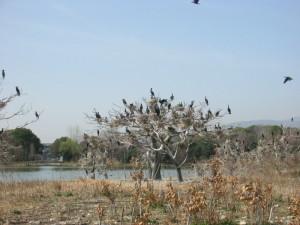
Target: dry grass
x=255, y=199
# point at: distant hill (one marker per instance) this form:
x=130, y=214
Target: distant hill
x=285, y=123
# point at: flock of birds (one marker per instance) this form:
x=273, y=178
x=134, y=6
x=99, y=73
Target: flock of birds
x=18, y=93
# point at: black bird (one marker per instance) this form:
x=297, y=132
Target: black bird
x=209, y=113
x=18, y=91
x=228, y=110
x=152, y=93
x=98, y=116
x=141, y=108
x=196, y=2
x=126, y=113
x=169, y=106
x=147, y=110
x=3, y=74
x=192, y=104
x=98, y=132
x=157, y=110
x=292, y=120
x=1, y=131
x=128, y=131
x=124, y=101
x=172, y=97
x=286, y=79
x=206, y=101
x=37, y=115
x=218, y=113
x=163, y=101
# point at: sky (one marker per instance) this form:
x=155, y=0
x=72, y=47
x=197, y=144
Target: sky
x=69, y=57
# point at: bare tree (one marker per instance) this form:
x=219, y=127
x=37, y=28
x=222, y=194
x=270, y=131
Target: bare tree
x=5, y=116
x=160, y=127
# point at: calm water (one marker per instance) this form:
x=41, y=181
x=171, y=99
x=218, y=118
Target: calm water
x=60, y=173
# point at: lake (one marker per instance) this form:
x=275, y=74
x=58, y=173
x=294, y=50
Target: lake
x=61, y=173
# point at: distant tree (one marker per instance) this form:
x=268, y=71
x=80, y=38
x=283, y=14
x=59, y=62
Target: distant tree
x=28, y=140
x=70, y=150
x=66, y=147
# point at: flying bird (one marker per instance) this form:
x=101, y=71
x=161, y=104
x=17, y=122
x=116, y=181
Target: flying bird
x=196, y=2
x=286, y=79
x=124, y=101
x=152, y=93
x=206, y=101
x=18, y=91
x=37, y=115
x=3, y=74
x=229, y=110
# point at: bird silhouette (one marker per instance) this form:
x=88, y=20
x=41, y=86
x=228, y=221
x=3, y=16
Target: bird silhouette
x=98, y=132
x=2, y=131
x=229, y=110
x=206, y=101
x=124, y=101
x=292, y=119
x=196, y=2
x=152, y=93
x=163, y=101
x=286, y=79
x=3, y=74
x=18, y=91
x=37, y=115
x=128, y=131
x=98, y=116
x=157, y=110
x=218, y=113
x=192, y=104
x=172, y=97
x=141, y=108
x=147, y=110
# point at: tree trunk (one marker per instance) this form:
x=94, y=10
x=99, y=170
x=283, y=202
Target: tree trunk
x=156, y=174
x=179, y=174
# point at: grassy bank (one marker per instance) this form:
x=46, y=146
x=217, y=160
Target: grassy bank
x=216, y=199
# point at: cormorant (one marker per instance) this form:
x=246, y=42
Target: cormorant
x=37, y=115
x=206, y=101
x=18, y=91
x=286, y=79
x=172, y=97
x=3, y=74
x=152, y=93
x=228, y=110
x=124, y=101
x=157, y=110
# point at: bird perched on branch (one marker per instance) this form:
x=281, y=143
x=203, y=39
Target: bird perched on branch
x=292, y=119
x=141, y=108
x=152, y=93
x=163, y=101
x=157, y=110
x=3, y=74
x=98, y=132
x=218, y=113
x=172, y=97
x=98, y=116
x=37, y=115
x=192, y=104
x=128, y=131
x=228, y=110
x=287, y=78
x=147, y=110
x=206, y=101
x=18, y=91
x=196, y=2
x=124, y=101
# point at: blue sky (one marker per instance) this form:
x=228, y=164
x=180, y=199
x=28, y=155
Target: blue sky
x=71, y=56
